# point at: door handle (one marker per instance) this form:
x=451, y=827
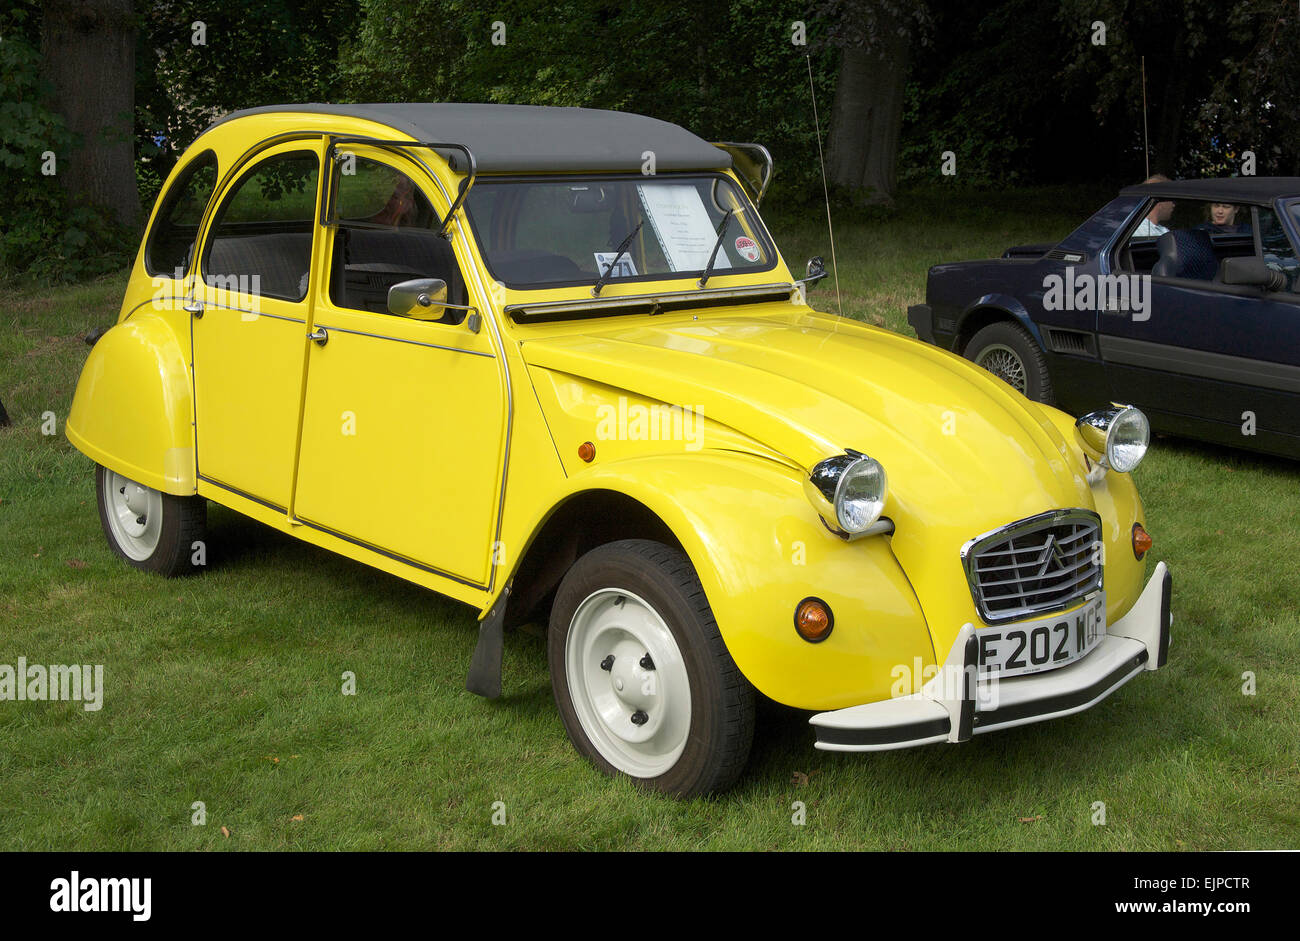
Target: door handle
x=320, y=335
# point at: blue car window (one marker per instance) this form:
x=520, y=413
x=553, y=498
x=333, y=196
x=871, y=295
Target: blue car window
x=1279, y=253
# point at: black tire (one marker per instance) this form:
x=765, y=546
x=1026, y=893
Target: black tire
x=721, y=708
x=1008, y=351
x=183, y=523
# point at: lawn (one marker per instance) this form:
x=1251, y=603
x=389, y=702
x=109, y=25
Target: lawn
x=227, y=688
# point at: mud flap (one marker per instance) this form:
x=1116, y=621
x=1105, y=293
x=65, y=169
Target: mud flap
x=485, y=666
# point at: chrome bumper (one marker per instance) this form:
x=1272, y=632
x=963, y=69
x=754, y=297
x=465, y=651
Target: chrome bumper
x=948, y=711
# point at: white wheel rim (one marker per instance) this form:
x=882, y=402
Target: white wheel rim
x=127, y=503
x=618, y=624
x=1005, y=363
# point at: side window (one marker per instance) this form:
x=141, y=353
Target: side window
x=1188, y=239
x=261, y=237
x=1278, y=252
x=378, y=194
x=168, y=251
x=386, y=233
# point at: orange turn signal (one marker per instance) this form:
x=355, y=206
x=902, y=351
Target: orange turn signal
x=587, y=451
x=813, y=620
x=1141, y=541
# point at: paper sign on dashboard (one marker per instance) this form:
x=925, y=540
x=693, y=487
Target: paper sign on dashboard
x=682, y=225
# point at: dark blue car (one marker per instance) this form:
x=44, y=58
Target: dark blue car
x=1182, y=298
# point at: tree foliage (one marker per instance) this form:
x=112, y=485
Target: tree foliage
x=44, y=235
x=1019, y=91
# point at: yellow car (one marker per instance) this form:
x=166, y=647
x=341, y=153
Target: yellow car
x=549, y=362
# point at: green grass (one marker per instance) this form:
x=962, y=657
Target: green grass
x=225, y=688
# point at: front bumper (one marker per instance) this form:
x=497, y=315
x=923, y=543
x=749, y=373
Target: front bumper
x=921, y=317
x=954, y=705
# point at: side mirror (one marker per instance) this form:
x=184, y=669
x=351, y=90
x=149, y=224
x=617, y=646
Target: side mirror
x=1252, y=272
x=815, y=271
x=418, y=299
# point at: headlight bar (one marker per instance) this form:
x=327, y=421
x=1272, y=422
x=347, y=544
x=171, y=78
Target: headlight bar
x=1100, y=433
x=827, y=488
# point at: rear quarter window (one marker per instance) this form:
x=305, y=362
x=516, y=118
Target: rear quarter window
x=170, y=246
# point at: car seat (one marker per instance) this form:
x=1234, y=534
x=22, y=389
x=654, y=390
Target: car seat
x=1186, y=253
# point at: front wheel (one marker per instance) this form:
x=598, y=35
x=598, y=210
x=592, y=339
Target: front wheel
x=151, y=530
x=1010, y=353
x=643, y=681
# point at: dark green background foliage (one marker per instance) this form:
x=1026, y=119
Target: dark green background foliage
x=43, y=236
x=1016, y=89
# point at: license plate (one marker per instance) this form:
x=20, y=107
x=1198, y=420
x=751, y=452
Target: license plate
x=1043, y=643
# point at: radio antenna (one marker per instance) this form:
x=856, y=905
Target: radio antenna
x=825, y=192
x=1146, y=143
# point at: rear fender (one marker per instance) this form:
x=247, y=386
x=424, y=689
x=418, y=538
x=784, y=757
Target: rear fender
x=133, y=410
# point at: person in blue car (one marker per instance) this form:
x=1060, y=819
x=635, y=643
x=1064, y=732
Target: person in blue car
x=1223, y=220
x=1153, y=224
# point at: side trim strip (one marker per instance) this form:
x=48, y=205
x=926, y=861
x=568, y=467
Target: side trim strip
x=434, y=570
x=243, y=493
x=1201, y=363
x=255, y=313
x=382, y=336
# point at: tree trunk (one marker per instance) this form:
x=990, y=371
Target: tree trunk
x=88, y=57
x=862, y=150
x=1169, y=118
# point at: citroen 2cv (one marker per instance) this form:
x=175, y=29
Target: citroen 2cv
x=549, y=362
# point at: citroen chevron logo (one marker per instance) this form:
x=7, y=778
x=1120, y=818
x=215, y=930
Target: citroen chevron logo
x=1051, y=554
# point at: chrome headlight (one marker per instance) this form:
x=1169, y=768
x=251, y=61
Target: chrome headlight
x=1117, y=437
x=848, y=491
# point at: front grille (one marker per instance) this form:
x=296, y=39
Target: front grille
x=1036, y=566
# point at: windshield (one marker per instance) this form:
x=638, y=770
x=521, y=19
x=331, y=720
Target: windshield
x=559, y=232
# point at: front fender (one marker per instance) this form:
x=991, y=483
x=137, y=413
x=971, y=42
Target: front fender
x=759, y=550
x=133, y=409
x=1008, y=305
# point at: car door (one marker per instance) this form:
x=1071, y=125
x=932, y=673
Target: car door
x=250, y=313
x=404, y=420
x=1213, y=360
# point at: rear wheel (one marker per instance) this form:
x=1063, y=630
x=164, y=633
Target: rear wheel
x=1010, y=353
x=151, y=530
x=644, y=684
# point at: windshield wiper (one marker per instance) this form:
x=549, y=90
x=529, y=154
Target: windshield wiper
x=713, y=255
x=622, y=250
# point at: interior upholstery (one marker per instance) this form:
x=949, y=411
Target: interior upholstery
x=1186, y=253
x=367, y=262
x=281, y=260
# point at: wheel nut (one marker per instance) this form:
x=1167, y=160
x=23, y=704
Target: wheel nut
x=647, y=663
x=608, y=663
x=640, y=718
x=139, y=520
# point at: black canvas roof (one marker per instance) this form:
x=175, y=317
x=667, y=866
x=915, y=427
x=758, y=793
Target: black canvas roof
x=1236, y=189
x=529, y=138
